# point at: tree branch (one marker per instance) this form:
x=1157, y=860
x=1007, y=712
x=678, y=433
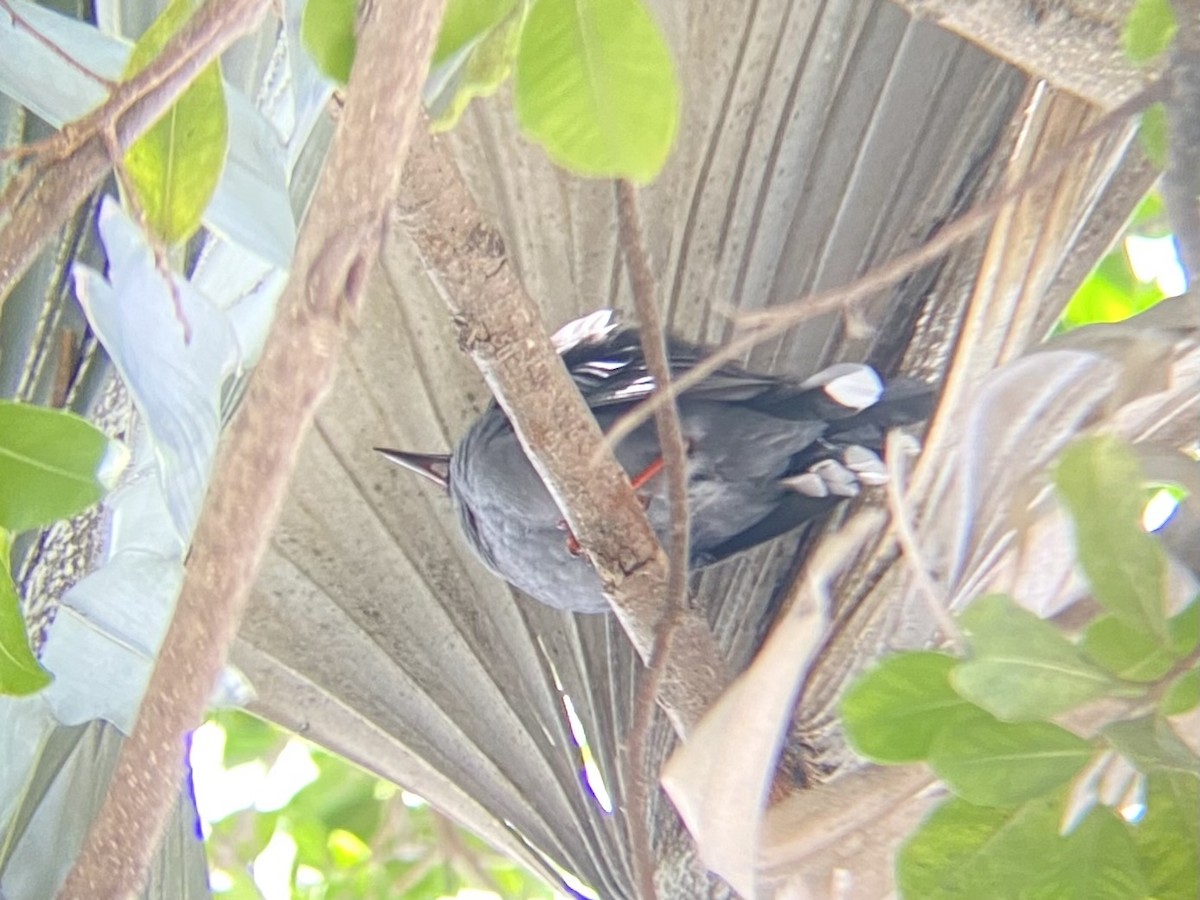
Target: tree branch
x=674, y=453
x=40, y=197
x=341, y=236
x=502, y=329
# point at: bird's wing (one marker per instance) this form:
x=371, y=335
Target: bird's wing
x=613, y=372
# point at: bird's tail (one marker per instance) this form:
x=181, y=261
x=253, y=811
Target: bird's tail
x=902, y=402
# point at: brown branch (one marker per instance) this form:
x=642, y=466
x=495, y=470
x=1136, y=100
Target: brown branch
x=764, y=324
x=666, y=417
x=340, y=237
x=1181, y=183
x=674, y=452
x=502, y=329
x=40, y=197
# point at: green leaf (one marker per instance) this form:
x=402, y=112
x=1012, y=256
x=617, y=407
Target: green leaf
x=341, y=797
x=893, y=713
x=1096, y=860
x=53, y=465
x=1153, y=134
x=346, y=849
x=1182, y=695
x=1183, y=629
x=962, y=850
x=1101, y=484
x=1149, y=30
x=1167, y=836
x=327, y=30
x=1126, y=652
x=1151, y=744
x=175, y=165
x=1023, y=668
x=1111, y=293
x=248, y=737
x=1150, y=218
x=966, y=851
x=311, y=836
x=20, y=672
x=466, y=22
x=475, y=52
x=999, y=764
x=595, y=85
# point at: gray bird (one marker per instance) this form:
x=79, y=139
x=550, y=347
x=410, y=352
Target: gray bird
x=765, y=455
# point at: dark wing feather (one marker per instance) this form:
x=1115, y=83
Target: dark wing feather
x=614, y=372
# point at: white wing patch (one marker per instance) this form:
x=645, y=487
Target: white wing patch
x=588, y=329
x=641, y=387
x=853, y=385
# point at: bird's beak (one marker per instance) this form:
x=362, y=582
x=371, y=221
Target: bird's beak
x=434, y=466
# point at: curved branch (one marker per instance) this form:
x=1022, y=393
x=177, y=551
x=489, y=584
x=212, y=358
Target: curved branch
x=340, y=237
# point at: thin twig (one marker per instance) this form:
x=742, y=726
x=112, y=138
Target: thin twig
x=666, y=417
x=765, y=324
x=20, y=21
x=341, y=234
x=133, y=204
x=41, y=196
x=901, y=512
x=674, y=453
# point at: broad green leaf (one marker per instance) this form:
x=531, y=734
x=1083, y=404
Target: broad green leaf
x=1001, y=764
x=893, y=713
x=1021, y=667
x=175, y=165
x=327, y=31
x=1098, y=860
x=1153, y=134
x=1149, y=30
x=20, y=672
x=1151, y=744
x=53, y=465
x=1101, y=483
x=1167, y=836
x=475, y=52
x=1150, y=218
x=1126, y=652
x=1183, y=629
x=1111, y=293
x=595, y=85
x=962, y=850
x=1182, y=695
x=466, y=22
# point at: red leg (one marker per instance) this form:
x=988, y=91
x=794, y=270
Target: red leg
x=638, y=481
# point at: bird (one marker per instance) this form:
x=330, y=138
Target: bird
x=765, y=455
